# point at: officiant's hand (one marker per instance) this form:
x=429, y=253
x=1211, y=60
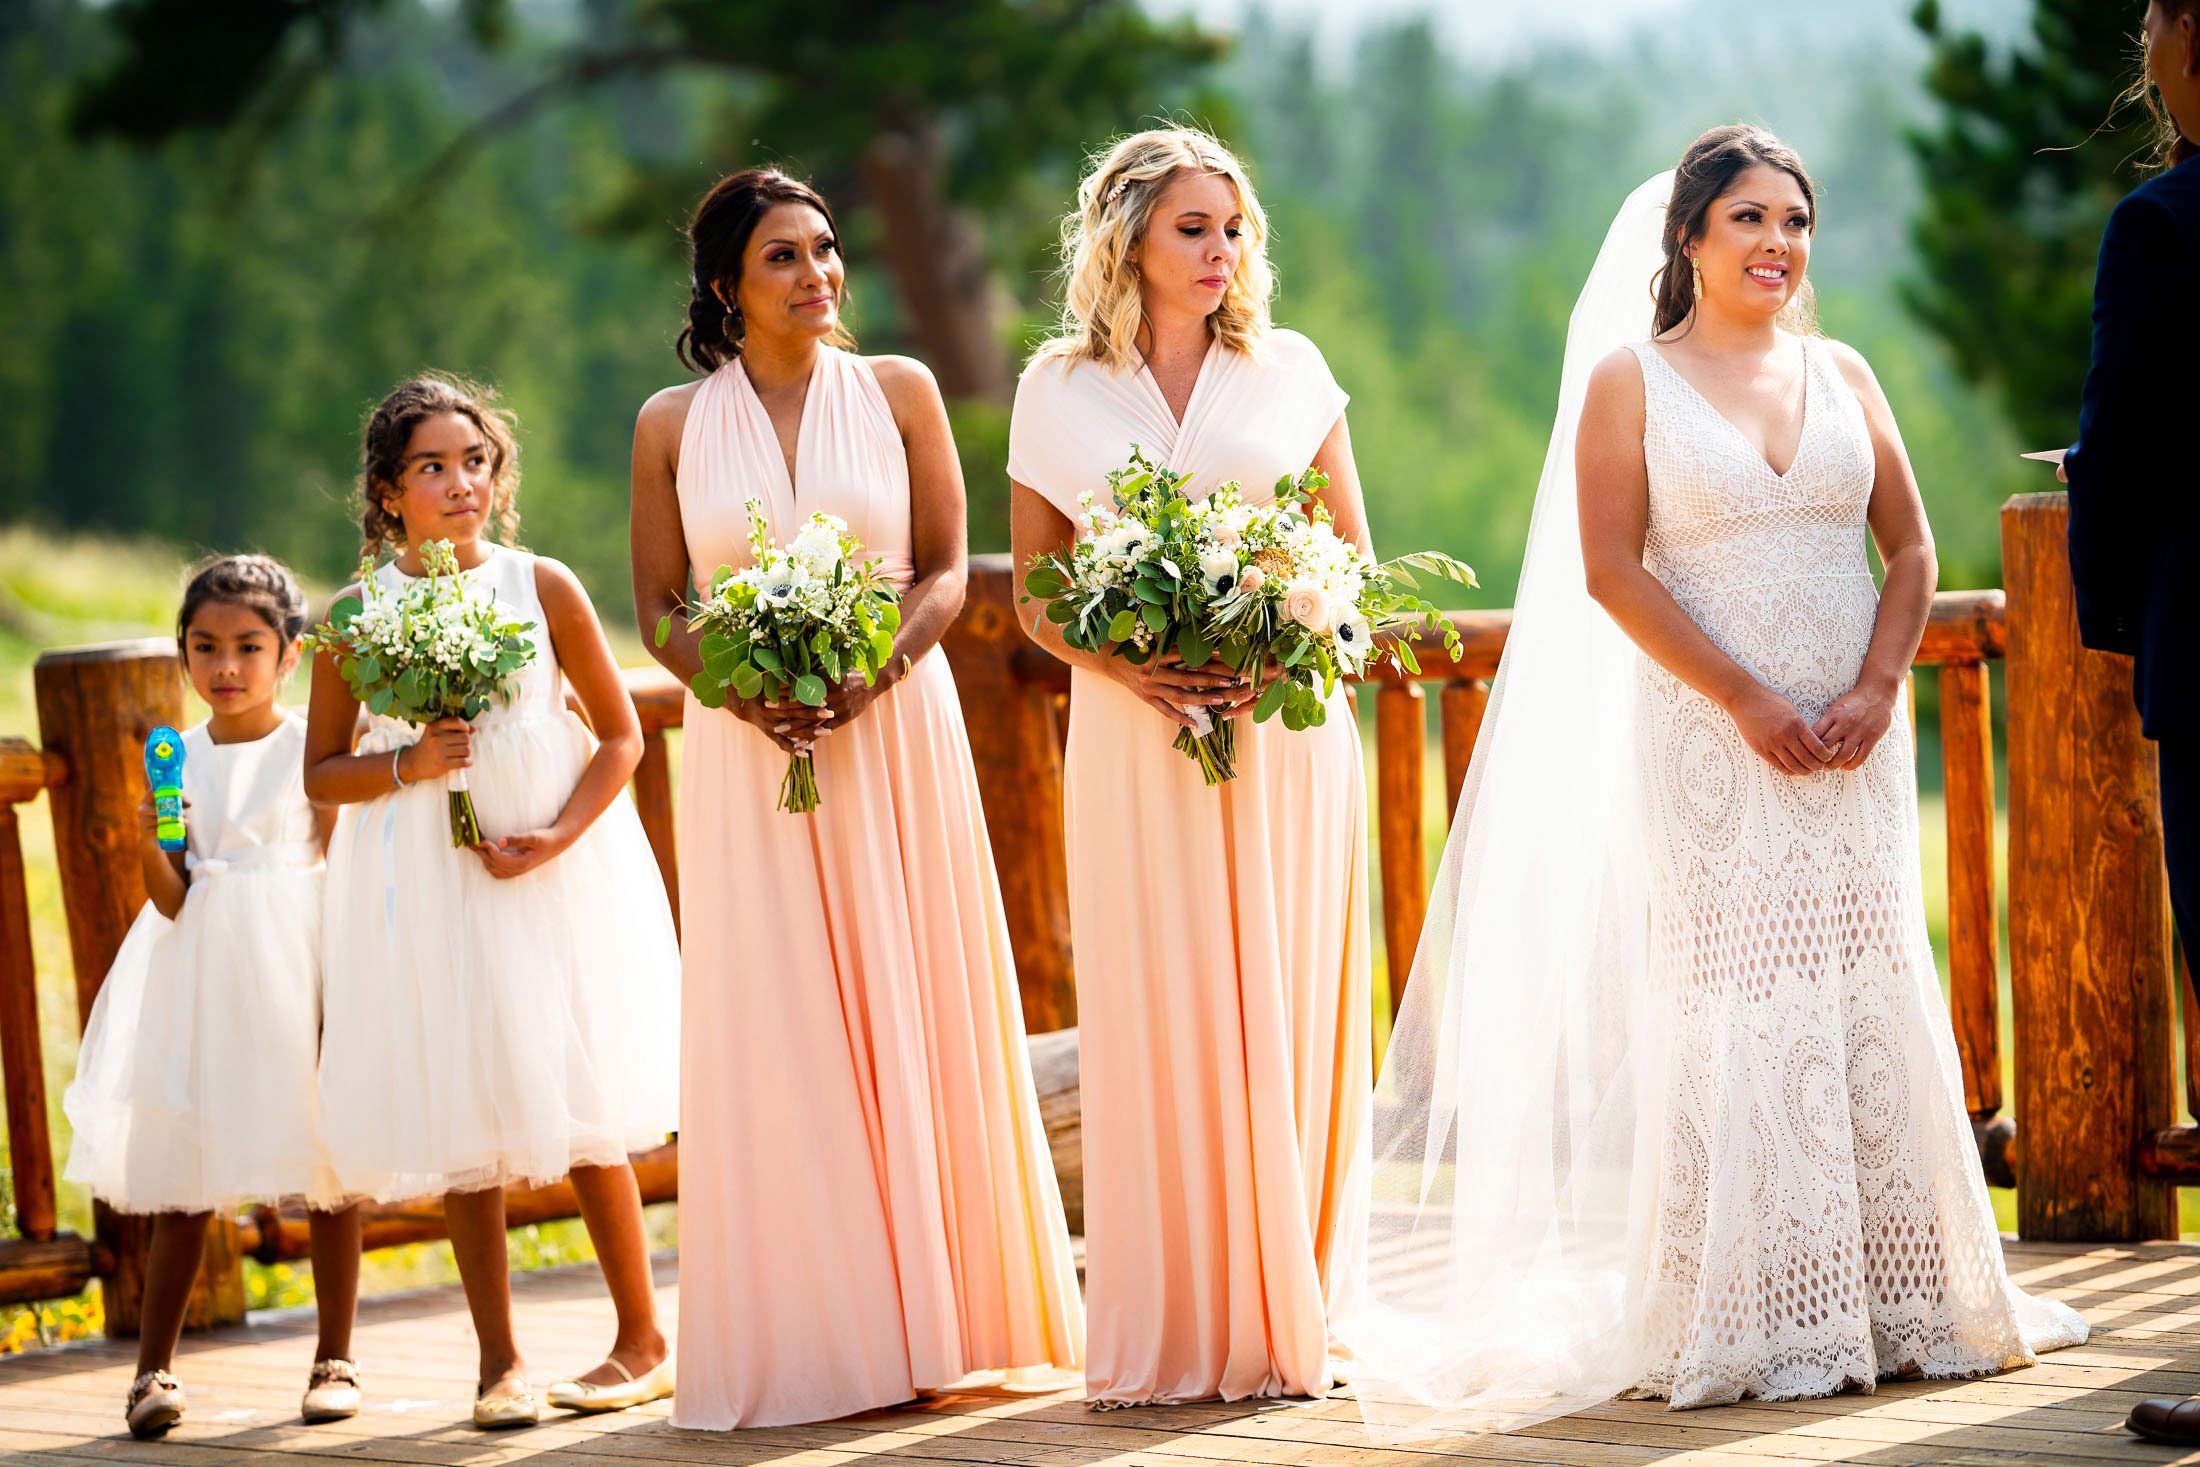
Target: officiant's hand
x=1855, y=724
x=1772, y=726
x=793, y=726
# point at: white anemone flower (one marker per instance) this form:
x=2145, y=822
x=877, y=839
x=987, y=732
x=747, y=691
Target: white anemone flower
x=1218, y=571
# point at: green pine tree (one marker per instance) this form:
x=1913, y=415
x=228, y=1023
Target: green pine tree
x=2033, y=150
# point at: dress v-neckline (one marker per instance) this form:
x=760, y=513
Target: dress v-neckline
x=790, y=465
x=1199, y=380
x=1802, y=432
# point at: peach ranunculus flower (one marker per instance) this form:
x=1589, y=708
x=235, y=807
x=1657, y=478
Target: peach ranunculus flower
x=1308, y=605
x=1251, y=578
x=1223, y=534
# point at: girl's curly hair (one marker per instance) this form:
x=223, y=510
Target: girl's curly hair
x=389, y=434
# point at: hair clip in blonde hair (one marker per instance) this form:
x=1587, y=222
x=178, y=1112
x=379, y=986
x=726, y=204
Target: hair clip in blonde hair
x=1117, y=192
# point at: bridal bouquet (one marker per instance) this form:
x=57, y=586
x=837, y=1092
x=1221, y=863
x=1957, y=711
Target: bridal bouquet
x=439, y=648
x=1271, y=591
x=799, y=619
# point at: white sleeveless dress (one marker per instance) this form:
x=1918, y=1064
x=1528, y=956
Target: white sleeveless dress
x=195, y=1088
x=1822, y=1220
x=484, y=1031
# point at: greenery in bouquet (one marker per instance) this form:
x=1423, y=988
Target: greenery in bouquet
x=793, y=624
x=439, y=647
x=1269, y=591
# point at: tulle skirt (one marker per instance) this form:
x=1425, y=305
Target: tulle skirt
x=195, y=1085
x=485, y=1031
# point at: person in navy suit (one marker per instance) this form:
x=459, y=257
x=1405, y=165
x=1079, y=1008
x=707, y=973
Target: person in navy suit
x=2135, y=492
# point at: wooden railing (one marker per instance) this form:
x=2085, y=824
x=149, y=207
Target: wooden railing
x=2089, y=937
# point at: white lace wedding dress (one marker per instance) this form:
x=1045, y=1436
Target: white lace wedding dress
x=1821, y=1218
x=1672, y=1105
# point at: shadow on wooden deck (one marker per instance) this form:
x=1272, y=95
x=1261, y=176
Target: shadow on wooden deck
x=64, y=1406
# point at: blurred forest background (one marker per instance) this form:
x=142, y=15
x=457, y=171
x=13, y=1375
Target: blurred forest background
x=227, y=226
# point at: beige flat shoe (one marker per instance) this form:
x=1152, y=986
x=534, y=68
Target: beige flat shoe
x=653, y=1384
x=332, y=1392
x=519, y=1406
x=156, y=1403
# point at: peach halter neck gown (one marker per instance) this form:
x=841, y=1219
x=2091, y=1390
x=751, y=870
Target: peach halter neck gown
x=1221, y=940
x=867, y=1204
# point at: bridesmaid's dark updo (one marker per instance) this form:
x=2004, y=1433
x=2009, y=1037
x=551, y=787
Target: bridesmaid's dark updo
x=1705, y=175
x=718, y=236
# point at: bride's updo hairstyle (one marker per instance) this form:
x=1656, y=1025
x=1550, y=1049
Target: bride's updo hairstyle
x=1705, y=175
x=718, y=237
x=1101, y=304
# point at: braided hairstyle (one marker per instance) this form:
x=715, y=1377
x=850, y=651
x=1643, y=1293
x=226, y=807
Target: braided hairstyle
x=1703, y=176
x=717, y=238
x=259, y=583
x=389, y=434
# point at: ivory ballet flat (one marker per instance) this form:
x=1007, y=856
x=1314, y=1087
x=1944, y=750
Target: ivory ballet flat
x=332, y=1392
x=653, y=1384
x=155, y=1404
x=519, y=1406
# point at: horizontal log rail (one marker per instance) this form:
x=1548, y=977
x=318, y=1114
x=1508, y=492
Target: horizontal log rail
x=95, y=705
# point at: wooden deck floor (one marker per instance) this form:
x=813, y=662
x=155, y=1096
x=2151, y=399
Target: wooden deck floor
x=64, y=1406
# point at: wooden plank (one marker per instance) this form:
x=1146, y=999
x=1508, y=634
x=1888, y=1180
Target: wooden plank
x=2089, y=916
x=1967, y=765
x=1401, y=751
x=2188, y=1019
x=22, y=1053
x=1463, y=705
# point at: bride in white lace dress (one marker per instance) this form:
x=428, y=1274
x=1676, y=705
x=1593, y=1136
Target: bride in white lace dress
x=1697, y=1132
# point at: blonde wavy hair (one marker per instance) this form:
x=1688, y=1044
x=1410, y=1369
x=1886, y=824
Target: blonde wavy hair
x=1101, y=304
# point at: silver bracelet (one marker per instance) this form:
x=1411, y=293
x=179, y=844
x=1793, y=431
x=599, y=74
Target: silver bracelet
x=395, y=755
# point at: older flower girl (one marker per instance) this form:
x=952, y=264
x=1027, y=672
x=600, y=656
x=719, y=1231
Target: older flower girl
x=506, y=1012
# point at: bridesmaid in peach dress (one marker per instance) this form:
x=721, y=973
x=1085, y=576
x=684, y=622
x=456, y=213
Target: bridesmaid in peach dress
x=867, y=1205
x=1221, y=935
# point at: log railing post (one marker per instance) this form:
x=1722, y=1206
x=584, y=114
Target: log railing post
x=1463, y=702
x=1401, y=751
x=1967, y=768
x=2089, y=923
x=95, y=707
x=1018, y=753
x=24, y=773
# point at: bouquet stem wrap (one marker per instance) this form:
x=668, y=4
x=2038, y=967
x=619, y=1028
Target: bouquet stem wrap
x=1215, y=750
x=465, y=824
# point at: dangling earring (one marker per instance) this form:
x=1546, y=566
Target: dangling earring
x=733, y=323
x=1696, y=266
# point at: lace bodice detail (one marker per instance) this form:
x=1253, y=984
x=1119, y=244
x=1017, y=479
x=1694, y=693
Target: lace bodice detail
x=1760, y=560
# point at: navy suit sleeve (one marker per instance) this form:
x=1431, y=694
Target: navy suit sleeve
x=2116, y=467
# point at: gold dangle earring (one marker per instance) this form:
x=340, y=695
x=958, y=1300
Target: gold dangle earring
x=1696, y=267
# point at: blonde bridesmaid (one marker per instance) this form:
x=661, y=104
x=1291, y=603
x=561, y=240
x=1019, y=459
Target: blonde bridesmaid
x=1221, y=935
x=867, y=1205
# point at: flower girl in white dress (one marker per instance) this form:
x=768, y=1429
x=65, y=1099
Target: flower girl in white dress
x=194, y=1088
x=509, y=1012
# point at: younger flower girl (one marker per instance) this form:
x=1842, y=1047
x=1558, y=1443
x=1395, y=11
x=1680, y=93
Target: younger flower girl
x=195, y=1086
x=508, y=1012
